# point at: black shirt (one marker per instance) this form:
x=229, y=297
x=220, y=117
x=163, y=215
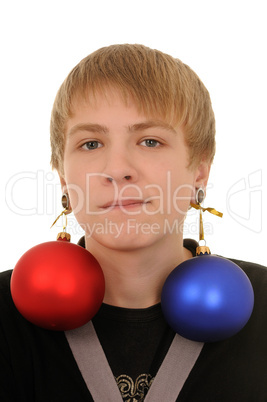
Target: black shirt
x=135, y=343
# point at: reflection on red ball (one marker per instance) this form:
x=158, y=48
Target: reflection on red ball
x=58, y=285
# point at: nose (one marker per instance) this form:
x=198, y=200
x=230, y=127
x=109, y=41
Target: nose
x=110, y=179
x=120, y=167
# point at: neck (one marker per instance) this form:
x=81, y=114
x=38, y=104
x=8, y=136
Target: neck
x=134, y=279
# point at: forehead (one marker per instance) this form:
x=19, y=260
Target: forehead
x=100, y=107
x=104, y=116
x=113, y=103
x=104, y=96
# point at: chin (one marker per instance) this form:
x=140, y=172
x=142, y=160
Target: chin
x=126, y=242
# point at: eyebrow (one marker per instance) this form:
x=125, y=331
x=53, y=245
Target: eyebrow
x=98, y=128
x=92, y=128
x=151, y=124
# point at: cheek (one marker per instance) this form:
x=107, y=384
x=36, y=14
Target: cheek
x=85, y=192
x=77, y=198
x=181, y=190
x=181, y=198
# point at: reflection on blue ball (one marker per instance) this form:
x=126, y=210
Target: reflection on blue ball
x=207, y=299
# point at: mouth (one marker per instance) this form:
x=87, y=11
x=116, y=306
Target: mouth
x=124, y=204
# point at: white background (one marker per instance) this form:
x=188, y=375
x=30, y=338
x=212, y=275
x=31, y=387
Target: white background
x=223, y=41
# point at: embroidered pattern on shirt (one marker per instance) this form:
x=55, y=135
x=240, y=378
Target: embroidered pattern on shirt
x=134, y=391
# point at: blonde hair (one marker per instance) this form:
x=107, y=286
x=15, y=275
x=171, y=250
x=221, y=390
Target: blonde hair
x=160, y=86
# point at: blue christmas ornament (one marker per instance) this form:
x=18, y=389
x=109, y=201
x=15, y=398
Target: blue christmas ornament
x=207, y=299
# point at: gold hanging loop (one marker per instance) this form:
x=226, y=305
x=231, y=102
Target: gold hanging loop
x=65, y=222
x=204, y=249
x=63, y=212
x=210, y=210
x=63, y=235
x=201, y=229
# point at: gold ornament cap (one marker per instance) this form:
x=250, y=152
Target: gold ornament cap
x=202, y=250
x=63, y=236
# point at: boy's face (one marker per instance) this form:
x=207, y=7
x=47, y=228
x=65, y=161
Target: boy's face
x=126, y=174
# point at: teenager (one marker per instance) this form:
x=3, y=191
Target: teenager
x=133, y=140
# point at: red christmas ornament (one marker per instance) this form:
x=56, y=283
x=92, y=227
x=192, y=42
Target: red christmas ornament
x=58, y=285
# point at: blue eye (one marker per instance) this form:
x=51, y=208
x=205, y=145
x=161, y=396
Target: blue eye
x=92, y=145
x=151, y=143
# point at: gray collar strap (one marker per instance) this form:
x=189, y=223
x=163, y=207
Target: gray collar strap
x=99, y=378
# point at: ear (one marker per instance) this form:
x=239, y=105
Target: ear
x=63, y=184
x=64, y=189
x=202, y=173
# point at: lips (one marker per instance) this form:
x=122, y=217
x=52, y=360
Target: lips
x=123, y=203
